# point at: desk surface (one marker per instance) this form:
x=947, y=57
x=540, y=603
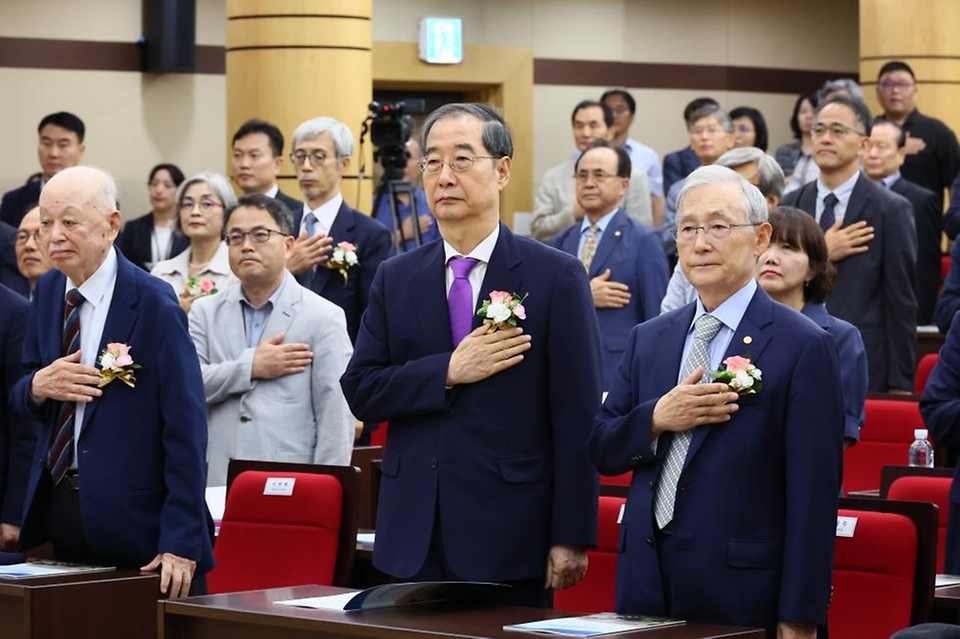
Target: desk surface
x=17, y=587
x=239, y=615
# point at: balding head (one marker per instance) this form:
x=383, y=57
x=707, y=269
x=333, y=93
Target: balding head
x=79, y=220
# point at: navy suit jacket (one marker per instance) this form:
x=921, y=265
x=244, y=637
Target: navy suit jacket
x=928, y=220
x=874, y=290
x=502, y=461
x=940, y=407
x=634, y=254
x=295, y=206
x=373, y=246
x=18, y=201
x=678, y=165
x=755, y=515
x=949, y=301
x=15, y=436
x=136, y=241
x=9, y=272
x=142, y=450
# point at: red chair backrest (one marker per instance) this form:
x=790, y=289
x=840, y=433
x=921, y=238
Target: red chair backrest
x=379, y=436
x=270, y=541
x=873, y=574
x=924, y=368
x=596, y=592
x=944, y=270
x=884, y=440
x=617, y=480
x=935, y=490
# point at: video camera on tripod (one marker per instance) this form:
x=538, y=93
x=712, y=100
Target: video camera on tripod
x=390, y=126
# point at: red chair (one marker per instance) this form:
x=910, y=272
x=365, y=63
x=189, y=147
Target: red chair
x=944, y=270
x=884, y=440
x=276, y=540
x=595, y=593
x=883, y=574
x=379, y=436
x=934, y=490
x=617, y=480
x=924, y=368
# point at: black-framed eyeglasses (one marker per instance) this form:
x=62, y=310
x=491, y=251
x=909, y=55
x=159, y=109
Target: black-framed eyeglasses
x=459, y=163
x=717, y=231
x=206, y=205
x=317, y=158
x=836, y=130
x=258, y=235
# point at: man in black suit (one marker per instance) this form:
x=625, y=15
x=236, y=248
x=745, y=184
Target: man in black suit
x=60, y=147
x=258, y=159
x=321, y=155
x=16, y=451
x=872, y=243
x=882, y=163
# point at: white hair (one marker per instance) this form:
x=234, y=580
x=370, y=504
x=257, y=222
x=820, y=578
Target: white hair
x=754, y=204
x=341, y=135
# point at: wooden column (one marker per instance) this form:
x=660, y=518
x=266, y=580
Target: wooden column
x=922, y=33
x=292, y=60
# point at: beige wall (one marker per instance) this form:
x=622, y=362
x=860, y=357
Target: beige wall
x=135, y=120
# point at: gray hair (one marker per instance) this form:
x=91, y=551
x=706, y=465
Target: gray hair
x=274, y=207
x=771, y=175
x=711, y=109
x=339, y=133
x=845, y=85
x=496, y=135
x=219, y=186
x=754, y=204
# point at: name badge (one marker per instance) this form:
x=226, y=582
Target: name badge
x=846, y=526
x=282, y=486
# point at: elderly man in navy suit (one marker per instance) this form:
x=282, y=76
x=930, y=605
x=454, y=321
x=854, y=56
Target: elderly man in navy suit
x=485, y=472
x=624, y=258
x=732, y=509
x=321, y=155
x=117, y=476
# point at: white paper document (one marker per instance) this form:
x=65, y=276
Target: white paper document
x=330, y=602
x=604, y=623
x=47, y=568
x=946, y=580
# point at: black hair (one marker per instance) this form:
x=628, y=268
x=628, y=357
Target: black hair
x=262, y=126
x=65, y=120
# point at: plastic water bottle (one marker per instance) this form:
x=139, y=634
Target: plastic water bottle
x=921, y=452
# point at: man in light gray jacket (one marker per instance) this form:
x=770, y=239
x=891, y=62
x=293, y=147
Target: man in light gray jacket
x=271, y=353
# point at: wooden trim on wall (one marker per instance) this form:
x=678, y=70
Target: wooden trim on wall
x=86, y=55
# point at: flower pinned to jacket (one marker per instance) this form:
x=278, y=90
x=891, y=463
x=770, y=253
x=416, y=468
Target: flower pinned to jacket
x=115, y=362
x=740, y=375
x=502, y=310
x=343, y=258
x=197, y=286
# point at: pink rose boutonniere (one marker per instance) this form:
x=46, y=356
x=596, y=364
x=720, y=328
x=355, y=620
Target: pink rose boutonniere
x=343, y=258
x=115, y=362
x=197, y=286
x=502, y=310
x=740, y=375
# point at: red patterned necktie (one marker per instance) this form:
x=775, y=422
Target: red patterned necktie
x=60, y=454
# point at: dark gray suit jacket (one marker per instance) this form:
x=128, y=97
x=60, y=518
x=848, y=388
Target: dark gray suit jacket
x=928, y=220
x=874, y=290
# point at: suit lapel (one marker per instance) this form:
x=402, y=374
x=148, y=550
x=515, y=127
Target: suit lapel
x=753, y=325
x=608, y=242
x=121, y=318
x=285, y=311
x=432, y=300
x=503, y=273
x=858, y=200
x=233, y=327
x=667, y=359
x=341, y=230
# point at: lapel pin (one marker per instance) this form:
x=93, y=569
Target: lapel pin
x=617, y=233
x=747, y=339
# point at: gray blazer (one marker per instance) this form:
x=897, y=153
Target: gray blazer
x=300, y=418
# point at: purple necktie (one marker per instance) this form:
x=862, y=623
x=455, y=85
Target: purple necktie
x=460, y=299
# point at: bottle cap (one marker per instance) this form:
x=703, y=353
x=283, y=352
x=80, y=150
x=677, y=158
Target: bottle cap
x=920, y=433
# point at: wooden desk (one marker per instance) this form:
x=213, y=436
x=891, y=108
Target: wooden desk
x=108, y=605
x=252, y=615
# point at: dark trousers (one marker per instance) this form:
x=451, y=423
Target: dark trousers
x=522, y=592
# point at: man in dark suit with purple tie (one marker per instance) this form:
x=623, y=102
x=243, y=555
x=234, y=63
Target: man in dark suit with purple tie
x=485, y=473
x=732, y=508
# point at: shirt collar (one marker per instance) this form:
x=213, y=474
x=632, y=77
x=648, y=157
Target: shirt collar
x=97, y=285
x=326, y=213
x=481, y=251
x=890, y=180
x=273, y=190
x=272, y=300
x=602, y=223
x=731, y=311
x=842, y=192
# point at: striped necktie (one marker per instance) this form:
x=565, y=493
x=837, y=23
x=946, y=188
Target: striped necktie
x=60, y=453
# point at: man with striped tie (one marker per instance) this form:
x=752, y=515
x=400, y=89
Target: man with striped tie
x=118, y=471
x=624, y=258
x=732, y=508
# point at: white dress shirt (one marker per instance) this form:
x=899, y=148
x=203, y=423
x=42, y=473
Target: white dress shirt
x=97, y=290
x=843, y=193
x=325, y=214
